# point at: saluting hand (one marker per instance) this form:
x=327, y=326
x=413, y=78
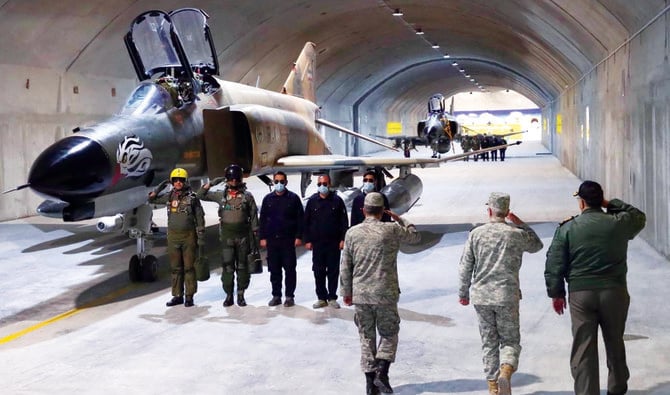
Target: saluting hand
x=263, y=243
x=393, y=215
x=515, y=220
x=297, y=242
x=308, y=246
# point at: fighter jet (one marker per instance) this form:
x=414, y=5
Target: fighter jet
x=437, y=131
x=183, y=115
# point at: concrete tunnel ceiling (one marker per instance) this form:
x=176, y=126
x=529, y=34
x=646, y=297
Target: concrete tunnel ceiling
x=535, y=47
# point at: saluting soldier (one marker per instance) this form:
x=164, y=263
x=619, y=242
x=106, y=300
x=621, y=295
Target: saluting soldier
x=238, y=217
x=369, y=280
x=489, y=276
x=185, y=231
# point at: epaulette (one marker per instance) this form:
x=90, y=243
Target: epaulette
x=567, y=220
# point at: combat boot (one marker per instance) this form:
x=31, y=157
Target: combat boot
x=505, y=379
x=229, y=300
x=189, y=301
x=175, y=301
x=382, y=376
x=240, y=299
x=493, y=387
x=370, y=387
x=275, y=301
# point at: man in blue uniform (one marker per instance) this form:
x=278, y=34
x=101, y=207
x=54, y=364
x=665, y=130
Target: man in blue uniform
x=326, y=223
x=369, y=185
x=280, y=231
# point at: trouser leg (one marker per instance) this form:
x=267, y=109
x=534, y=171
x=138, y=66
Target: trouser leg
x=490, y=340
x=388, y=325
x=176, y=267
x=189, y=253
x=507, y=322
x=289, y=264
x=614, y=303
x=242, y=264
x=333, y=272
x=364, y=319
x=584, y=354
x=275, y=268
x=228, y=266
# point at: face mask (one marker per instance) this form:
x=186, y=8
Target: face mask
x=280, y=187
x=323, y=190
x=368, y=187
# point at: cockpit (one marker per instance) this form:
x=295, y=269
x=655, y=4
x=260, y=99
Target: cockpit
x=148, y=98
x=436, y=104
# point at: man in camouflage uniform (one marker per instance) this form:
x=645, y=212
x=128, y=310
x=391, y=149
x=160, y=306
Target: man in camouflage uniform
x=466, y=146
x=490, y=266
x=185, y=230
x=369, y=279
x=238, y=217
x=589, y=253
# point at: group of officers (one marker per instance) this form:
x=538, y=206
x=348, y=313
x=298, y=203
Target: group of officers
x=482, y=141
x=588, y=252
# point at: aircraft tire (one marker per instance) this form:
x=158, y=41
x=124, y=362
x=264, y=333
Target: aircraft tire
x=134, y=269
x=149, y=269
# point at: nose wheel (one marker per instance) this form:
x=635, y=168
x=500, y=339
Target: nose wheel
x=143, y=269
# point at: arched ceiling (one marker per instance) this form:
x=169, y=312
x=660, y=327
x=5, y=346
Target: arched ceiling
x=536, y=47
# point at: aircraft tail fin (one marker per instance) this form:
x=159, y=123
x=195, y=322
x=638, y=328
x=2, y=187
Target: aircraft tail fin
x=302, y=78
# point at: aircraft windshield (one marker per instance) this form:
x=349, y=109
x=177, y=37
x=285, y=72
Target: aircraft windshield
x=436, y=104
x=151, y=37
x=148, y=98
x=191, y=26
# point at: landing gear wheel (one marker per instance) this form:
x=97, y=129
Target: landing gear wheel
x=149, y=269
x=134, y=269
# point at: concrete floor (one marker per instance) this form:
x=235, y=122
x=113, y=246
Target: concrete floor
x=71, y=322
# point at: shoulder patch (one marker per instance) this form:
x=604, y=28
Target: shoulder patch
x=566, y=220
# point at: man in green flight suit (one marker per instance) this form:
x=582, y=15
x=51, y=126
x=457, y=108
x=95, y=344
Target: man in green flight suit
x=185, y=232
x=238, y=217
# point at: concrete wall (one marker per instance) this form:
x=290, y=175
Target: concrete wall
x=613, y=127
x=38, y=107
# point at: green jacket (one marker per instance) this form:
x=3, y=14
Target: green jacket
x=589, y=251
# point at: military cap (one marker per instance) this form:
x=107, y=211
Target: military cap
x=591, y=192
x=374, y=199
x=499, y=201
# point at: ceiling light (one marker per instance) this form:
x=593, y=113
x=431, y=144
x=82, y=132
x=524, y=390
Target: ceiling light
x=419, y=31
x=461, y=70
x=454, y=64
x=435, y=46
x=472, y=80
x=467, y=76
x=446, y=56
x=397, y=12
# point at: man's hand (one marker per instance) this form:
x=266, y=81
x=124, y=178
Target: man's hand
x=393, y=215
x=347, y=300
x=559, y=305
x=514, y=219
x=308, y=246
x=341, y=244
x=263, y=243
x=464, y=301
x=297, y=242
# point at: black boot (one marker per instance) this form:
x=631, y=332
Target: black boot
x=189, y=301
x=175, y=301
x=240, y=299
x=382, y=376
x=370, y=387
x=229, y=300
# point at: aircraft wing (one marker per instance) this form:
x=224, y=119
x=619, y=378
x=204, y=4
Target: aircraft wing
x=331, y=162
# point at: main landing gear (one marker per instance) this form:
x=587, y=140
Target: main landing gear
x=142, y=267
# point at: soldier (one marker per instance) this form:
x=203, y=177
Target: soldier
x=589, y=253
x=495, y=141
x=466, y=145
x=280, y=232
x=238, y=217
x=490, y=265
x=185, y=230
x=502, y=150
x=369, y=185
x=369, y=278
x=326, y=223
x=476, y=145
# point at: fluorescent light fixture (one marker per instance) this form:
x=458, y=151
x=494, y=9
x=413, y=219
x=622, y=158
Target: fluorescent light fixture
x=446, y=56
x=419, y=31
x=454, y=64
x=435, y=46
x=397, y=12
x=461, y=70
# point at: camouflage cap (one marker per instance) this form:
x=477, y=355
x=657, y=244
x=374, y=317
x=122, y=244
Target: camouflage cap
x=499, y=201
x=374, y=199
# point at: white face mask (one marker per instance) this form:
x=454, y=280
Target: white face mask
x=323, y=189
x=279, y=187
x=368, y=187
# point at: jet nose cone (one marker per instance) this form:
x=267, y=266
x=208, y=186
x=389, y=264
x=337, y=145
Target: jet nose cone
x=75, y=168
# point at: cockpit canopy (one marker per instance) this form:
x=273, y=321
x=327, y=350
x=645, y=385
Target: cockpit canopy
x=148, y=98
x=436, y=103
